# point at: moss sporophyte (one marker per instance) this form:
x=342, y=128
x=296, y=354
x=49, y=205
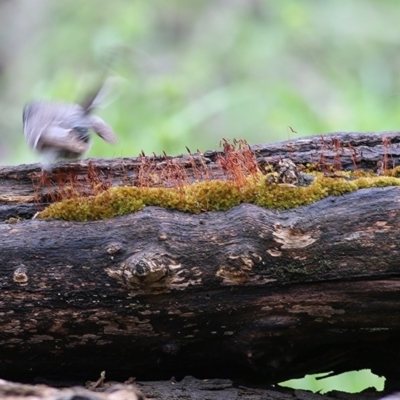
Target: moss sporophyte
x=215, y=195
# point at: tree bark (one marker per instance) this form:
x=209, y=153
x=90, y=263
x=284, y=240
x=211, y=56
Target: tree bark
x=250, y=294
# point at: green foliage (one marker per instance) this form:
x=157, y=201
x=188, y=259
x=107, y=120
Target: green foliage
x=350, y=382
x=199, y=71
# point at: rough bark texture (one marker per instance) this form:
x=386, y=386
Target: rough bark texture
x=249, y=294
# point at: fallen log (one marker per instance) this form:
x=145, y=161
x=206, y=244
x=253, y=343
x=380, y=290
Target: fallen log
x=249, y=294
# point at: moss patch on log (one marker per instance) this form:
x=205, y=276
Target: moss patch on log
x=212, y=195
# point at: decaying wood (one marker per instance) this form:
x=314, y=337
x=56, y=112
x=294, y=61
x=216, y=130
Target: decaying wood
x=249, y=294
x=353, y=149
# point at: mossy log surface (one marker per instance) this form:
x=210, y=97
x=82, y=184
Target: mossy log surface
x=247, y=294
x=22, y=194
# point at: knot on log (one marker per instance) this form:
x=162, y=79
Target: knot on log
x=148, y=269
x=154, y=270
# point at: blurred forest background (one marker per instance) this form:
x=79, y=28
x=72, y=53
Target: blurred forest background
x=197, y=71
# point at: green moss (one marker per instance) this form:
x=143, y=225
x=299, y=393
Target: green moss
x=379, y=181
x=210, y=196
x=112, y=202
x=396, y=172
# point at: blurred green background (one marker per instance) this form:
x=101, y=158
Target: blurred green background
x=197, y=71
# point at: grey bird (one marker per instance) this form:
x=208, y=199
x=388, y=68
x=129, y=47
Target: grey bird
x=57, y=129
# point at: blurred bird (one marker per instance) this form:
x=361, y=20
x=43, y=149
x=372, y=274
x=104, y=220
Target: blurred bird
x=62, y=130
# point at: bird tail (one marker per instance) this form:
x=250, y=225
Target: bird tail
x=100, y=97
x=105, y=92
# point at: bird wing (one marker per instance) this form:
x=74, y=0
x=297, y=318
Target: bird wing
x=103, y=129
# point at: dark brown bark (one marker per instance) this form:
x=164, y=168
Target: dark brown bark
x=351, y=149
x=248, y=294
